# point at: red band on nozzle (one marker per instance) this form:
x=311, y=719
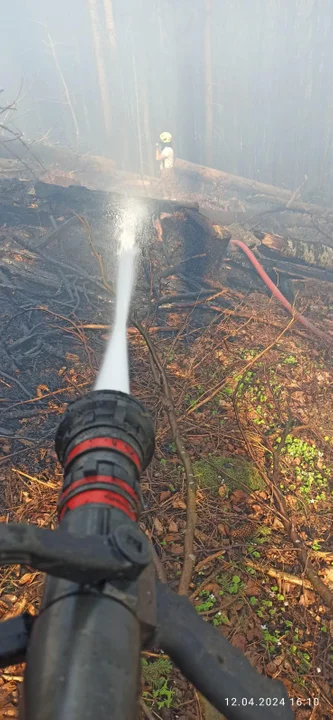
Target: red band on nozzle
x=104, y=442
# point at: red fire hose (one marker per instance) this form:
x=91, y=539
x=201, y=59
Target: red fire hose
x=276, y=292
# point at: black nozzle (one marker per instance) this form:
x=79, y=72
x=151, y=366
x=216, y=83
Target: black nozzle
x=104, y=441
x=105, y=411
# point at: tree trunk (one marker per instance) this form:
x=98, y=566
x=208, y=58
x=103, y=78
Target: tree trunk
x=110, y=24
x=208, y=84
x=185, y=170
x=101, y=69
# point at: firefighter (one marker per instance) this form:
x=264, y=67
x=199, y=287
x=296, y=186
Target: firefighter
x=164, y=152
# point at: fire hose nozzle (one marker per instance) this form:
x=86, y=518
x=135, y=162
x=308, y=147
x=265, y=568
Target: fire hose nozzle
x=104, y=441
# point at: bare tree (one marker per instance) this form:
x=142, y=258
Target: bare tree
x=208, y=84
x=100, y=63
x=64, y=84
x=110, y=24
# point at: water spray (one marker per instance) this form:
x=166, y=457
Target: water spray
x=114, y=373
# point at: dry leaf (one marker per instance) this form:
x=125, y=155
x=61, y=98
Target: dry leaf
x=307, y=598
x=17, y=609
x=201, y=536
x=254, y=634
x=176, y=549
x=173, y=527
x=27, y=577
x=31, y=609
x=271, y=667
x=212, y=588
x=222, y=491
x=252, y=588
x=179, y=504
x=239, y=641
x=158, y=527
x=239, y=496
x=222, y=529
x=171, y=537
x=164, y=496
x=277, y=524
x=40, y=388
x=9, y=598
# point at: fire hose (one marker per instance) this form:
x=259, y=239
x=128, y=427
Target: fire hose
x=277, y=293
x=102, y=603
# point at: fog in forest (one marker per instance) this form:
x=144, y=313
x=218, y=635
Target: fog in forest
x=243, y=86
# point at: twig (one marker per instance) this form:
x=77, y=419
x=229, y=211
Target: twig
x=160, y=572
x=52, y=486
x=209, y=559
x=54, y=233
x=174, y=269
x=87, y=228
x=161, y=379
x=296, y=193
x=146, y=710
x=280, y=575
x=49, y=394
x=221, y=384
x=17, y=382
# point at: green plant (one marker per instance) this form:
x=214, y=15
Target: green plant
x=235, y=586
x=156, y=675
x=312, y=475
x=220, y=619
x=316, y=545
x=163, y=695
x=290, y=360
x=271, y=640
x=262, y=534
x=208, y=603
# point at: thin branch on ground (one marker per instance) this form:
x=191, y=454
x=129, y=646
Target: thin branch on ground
x=87, y=228
x=280, y=575
x=162, y=381
x=212, y=394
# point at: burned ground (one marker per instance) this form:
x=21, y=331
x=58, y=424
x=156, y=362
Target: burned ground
x=251, y=393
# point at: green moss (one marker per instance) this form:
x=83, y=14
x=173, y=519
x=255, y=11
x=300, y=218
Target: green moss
x=234, y=472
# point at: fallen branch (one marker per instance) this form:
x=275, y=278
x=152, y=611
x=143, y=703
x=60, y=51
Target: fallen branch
x=161, y=379
x=280, y=575
x=221, y=384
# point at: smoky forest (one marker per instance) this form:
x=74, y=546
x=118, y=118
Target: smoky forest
x=166, y=236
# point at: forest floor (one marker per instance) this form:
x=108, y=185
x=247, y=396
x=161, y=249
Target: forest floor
x=251, y=394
